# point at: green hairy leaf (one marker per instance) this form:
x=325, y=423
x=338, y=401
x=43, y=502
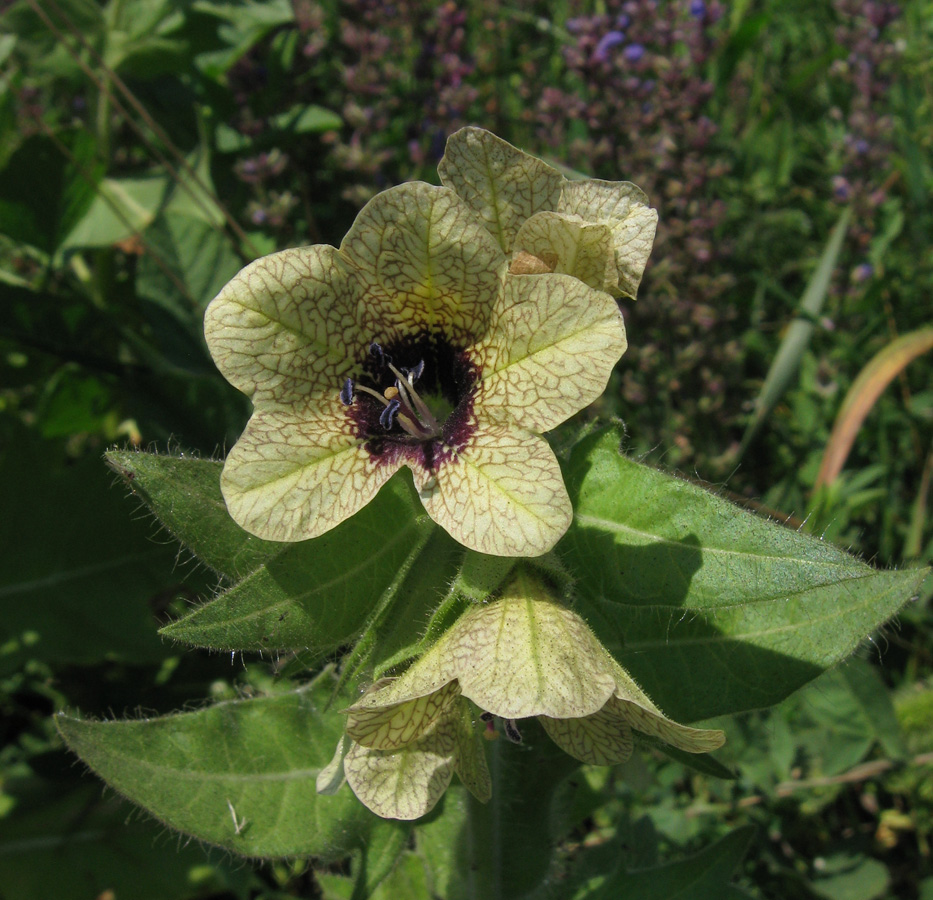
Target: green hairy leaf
x=315, y=594
x=239, y=774
x=704, y=876
x=184, y=493
x=676, y=580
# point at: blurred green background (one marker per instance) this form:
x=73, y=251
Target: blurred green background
x=779, y=351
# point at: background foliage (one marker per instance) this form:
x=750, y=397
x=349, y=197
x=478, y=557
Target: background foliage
x=149, y=148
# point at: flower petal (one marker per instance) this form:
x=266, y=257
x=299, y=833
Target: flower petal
x=551, y=347
x=503, y=185
x=424, y=262
x=281, y=328
x=298, y=471
x=404, y=783
x=391, y=727
x=501, y=494
x=624, y=208
x=582, y=249
x=638, y=710
x=525, y=655
x=690, y=740
x=602, y=739
x=331, y=778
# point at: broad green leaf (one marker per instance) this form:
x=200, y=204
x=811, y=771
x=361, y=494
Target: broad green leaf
x=244, y=26
x=704, y=876
x=837, y=720
x=407, y=880
x=239, y=774
x=199, y=255
x=7, y=43
x=43, y=194
x=69, y=843
x=122, y=208
x=417, y=597
x=81, y=576
x=846, y=876
x=677, y=581
x=307, y=120
x=318, y=593
x=873, y=698
x=138, y=41
x=193, y=194
x=184, y=493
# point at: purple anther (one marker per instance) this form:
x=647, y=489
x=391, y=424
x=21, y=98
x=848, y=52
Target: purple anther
x=415, y=372
x=511, y=731
x=346, y=392
x=379, y=354
x=387, y=416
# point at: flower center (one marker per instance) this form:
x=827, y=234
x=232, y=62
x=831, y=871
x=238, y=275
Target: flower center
x=401, y=401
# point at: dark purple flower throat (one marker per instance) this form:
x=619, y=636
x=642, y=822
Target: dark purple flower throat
x=413, y=399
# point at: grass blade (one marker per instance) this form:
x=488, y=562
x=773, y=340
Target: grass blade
x=797, y=339
x=865, y=391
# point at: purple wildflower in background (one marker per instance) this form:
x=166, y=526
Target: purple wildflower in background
x=608, y=41
x=646, y=120
x=862, y=273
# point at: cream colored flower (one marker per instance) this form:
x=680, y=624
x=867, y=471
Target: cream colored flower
x=598, y=231
x=410, y=345
x=522, y=655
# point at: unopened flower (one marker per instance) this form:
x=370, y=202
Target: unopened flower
x=598, y=231
x=410, y=345
x=526, y=654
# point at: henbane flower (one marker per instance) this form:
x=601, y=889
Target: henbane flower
x=525, y=654
x=410, y=345
x=598, y=231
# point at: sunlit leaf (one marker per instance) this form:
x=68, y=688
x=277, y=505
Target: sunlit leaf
x=184, y=494
x=704, y=876
x=676, y=580
x=320, y=593
x=239, y=774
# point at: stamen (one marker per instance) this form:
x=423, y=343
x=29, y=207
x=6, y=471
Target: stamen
x=401, y=401
x=379, y=354
x=387, y=416
x=372, y=393
x=411, y=398
x=414, y=373
x=511, y=731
